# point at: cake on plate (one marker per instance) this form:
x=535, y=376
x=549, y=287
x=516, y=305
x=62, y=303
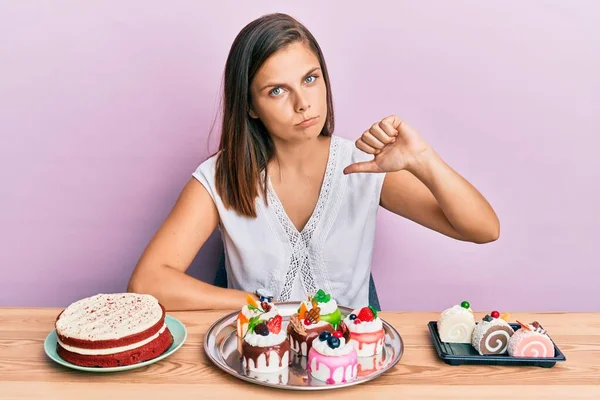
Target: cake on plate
x=265, y=348
x=366, y=331
x=492, y=333
x=531, y=341
x=332, y=359
x=456, y=324
x=320, y=313
x=111, y=330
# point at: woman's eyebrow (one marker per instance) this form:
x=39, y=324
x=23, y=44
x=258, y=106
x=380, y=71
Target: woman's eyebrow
x=268, y=85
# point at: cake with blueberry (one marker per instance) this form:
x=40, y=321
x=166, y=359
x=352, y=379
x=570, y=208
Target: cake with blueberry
x=492, y=334
x=332, y=359
x=366, y=331
x=111, y=330
x=456, y=324
x=265, y=348
x=531, y=341
x=320, y=313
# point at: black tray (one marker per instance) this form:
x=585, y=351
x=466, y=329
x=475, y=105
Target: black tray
x=462, y=353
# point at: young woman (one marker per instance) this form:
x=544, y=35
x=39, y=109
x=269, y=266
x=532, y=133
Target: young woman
x=296, y=205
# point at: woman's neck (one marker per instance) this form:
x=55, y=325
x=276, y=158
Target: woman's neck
x=301, y=156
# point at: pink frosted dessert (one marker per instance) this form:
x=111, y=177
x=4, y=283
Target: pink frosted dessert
x=366, y=331
x=531, y=341
x=332, y=359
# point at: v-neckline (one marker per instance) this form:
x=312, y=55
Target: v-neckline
x=323, y=194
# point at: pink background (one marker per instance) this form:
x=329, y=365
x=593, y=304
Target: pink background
x=105, y=111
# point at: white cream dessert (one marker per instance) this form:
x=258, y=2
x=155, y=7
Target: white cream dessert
x=456, y=324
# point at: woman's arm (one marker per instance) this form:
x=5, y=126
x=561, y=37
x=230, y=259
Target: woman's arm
x=420, y=186
x=161, y=268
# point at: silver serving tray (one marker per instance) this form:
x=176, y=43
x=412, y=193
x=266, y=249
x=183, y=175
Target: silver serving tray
x=221, y=348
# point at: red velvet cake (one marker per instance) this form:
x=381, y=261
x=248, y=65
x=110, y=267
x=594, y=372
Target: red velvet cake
x=111, y=330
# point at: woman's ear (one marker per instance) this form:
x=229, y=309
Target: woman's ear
x=252, y=113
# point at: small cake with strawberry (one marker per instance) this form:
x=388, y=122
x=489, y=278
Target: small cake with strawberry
x=308, y=322
x=366, y=331
x=531, y=341
x=332, y=359
x=265, y=348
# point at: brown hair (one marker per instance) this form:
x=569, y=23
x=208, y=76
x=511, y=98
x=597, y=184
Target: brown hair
x=246, y=147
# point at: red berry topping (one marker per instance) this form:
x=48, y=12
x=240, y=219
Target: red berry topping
x=307, y=322
x=366, y=314
x=357, y=321
x=338, y=334
x=274, y=324
x=495, y=314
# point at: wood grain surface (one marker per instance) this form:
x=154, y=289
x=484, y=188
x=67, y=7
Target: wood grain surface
x=26, y=372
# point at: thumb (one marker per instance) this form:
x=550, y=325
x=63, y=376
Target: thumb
x=366, y=166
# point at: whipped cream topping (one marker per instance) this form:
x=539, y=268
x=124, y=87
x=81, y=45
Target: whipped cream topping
x=323, y=348
x=271, y=339
x=109, y=316
x=457, y=309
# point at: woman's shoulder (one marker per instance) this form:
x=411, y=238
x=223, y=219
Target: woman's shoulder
x=207, y=167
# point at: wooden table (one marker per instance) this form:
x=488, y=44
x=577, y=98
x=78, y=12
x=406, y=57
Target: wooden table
x=26, y=372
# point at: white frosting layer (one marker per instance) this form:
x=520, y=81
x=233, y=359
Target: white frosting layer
x=109, y=316
x=271, y=339
x=261, y=365
x=326, y=308
x=456, y=310
x=112, y=350
x=323, y=348
x=364, y=326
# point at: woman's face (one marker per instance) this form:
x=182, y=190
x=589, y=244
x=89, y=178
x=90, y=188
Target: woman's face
x=289, y=94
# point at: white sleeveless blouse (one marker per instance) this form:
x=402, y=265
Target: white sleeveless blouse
x=332, y=252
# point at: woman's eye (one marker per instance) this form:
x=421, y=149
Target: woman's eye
x=311, y=79
x=276, y=92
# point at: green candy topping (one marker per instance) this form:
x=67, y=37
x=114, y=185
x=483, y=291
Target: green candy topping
x=334, y=318
x=322, y=297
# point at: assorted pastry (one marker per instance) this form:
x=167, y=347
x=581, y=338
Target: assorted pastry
x=493, y=335
x=332, y=349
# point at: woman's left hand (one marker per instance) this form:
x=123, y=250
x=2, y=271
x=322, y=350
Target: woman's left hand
x=395, y=145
